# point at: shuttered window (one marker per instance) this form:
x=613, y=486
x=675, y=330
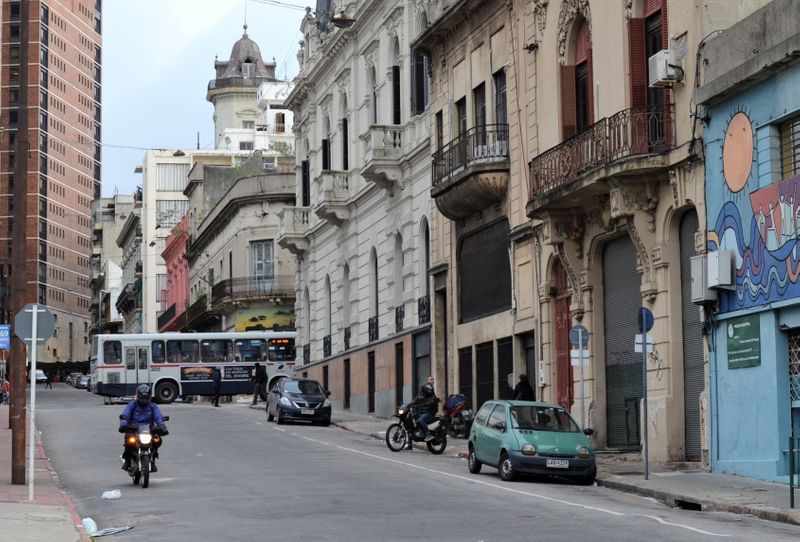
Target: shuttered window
x=170, y=212
x=790, y=148
x=484, y=272
x=171, y=177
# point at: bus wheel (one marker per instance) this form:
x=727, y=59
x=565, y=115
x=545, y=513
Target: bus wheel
x=166, y=392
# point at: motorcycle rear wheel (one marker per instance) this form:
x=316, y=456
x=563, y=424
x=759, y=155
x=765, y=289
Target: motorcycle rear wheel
x=396, y=437
x=437, y=445
x=136, y=477
x=145, y=471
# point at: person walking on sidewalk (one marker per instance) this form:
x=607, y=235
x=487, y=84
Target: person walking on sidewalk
x=6, y=389
x=48, y=380
x=524, y=391
x=216, y=378
x=260, y=378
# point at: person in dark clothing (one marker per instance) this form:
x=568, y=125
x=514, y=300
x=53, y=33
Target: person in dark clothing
x=141, y=411
x=48, y=382
x=523, y=390
x=426, y=405
x=260, y=378
x=216, y=378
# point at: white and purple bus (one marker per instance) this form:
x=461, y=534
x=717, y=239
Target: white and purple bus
x=179, y=364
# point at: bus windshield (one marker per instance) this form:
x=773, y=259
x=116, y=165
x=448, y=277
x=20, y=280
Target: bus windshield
x=281, y=349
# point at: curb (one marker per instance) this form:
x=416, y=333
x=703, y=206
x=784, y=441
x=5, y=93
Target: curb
x=706, y=505
x=378, y=436
x=70, y=504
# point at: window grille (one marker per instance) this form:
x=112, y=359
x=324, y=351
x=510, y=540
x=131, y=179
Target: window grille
x=790, y=147
x=794, y=365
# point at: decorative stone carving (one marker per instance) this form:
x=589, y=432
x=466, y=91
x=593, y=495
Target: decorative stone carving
x=574, y=231
x=625, y=200
x=571, y=275
x=644, y=255
x=628, y=9
x=569, y=10
x=540, y=14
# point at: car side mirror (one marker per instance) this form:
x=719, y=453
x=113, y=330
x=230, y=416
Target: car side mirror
x=500, y=425
x=165, y=418
x=588, y=431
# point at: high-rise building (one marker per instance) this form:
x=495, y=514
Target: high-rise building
x=50, y=162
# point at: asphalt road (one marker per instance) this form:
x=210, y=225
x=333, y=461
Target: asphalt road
x=228, y=474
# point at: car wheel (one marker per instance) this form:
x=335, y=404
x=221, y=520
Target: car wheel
x=472, y=462
x=270, y=417
x=278, y=418
x=506, y=469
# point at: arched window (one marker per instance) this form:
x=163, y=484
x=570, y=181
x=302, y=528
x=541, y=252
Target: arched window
x=373, y=85
x=424, y=258
x=399, y=263
x=305, y=177
x=247, y=68
x=345, y=135
x=396, y=98
x=577, y=96
x=307, y=315
x=328, y=306
x=326, y=144
x=373, y=282
x=345, y=296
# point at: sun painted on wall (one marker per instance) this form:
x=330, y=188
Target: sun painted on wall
x=760, y=227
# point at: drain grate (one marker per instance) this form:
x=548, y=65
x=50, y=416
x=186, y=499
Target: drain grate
x=688, y=505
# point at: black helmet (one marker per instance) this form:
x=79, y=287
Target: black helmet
x=427, y=389
x=143, y=394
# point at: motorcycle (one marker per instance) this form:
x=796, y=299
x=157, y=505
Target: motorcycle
x=457, y=410
x=398, y=435
x=144, y=440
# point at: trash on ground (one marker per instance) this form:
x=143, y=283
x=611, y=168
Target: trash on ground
x=89, y=525
x=111, y=530
x=113, y=494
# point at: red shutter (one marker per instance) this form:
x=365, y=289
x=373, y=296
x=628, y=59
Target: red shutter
x=591, y=85
x=568, y=113
x=638, y=68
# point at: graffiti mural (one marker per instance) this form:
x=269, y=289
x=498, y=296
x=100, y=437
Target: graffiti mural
x=266, y=317
x=760, y=225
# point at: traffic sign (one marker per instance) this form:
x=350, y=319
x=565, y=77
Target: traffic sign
x=579, y=336
x=45, y=325
x=645, y=320
x=579, y=357
x=5, y=337
x=638, y=344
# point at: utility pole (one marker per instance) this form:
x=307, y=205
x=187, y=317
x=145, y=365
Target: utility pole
x=19, y=274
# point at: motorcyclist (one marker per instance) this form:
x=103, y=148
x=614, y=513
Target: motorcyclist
x=141, y=410
x=425, y=405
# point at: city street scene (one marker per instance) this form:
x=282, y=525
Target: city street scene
x=457, y=270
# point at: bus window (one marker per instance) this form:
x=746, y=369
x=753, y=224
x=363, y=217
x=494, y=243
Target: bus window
x=112, y=352
x=130, y=359
x=158, y=352
x=281, y=349
x=183, y=351
x=251, y=350
x=216, y=351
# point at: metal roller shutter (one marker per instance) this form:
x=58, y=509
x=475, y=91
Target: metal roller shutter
x=693, y=374
x=622, y=299
x=484, y=372
x=465, y=373
x=505, y=367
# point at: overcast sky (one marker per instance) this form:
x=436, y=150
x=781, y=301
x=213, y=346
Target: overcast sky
x=158, y=56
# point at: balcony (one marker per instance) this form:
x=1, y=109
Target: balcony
x=326, y=346
x=333, y=192
x=471, y=172
x=373, y=328
x=165, y=317
x=424, y=309
x=631, y=142
x=383, y=148
x=399, y=316
x=199, y=315
x=347, y=335
x=293, y=228
x=235, y=292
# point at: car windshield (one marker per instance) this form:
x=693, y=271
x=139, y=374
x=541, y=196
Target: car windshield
x=308, y=387
x=542, y=418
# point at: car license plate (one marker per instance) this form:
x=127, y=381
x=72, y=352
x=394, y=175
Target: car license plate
x=557, y=463
x=307, y=411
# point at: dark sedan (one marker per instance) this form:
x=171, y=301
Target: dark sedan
x=299, y=400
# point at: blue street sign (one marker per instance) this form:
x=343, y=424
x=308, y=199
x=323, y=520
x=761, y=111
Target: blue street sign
x=5, y=336
x=579, y=337
x=645, y=320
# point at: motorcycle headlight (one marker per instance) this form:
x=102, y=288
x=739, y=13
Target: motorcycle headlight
x=285, y=401
x=326, y=403
x=145, y=438
x=583, y=452
x=528, y=449
x=400, y=411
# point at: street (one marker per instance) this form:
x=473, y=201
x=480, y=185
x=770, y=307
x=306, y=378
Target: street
x=228, y=474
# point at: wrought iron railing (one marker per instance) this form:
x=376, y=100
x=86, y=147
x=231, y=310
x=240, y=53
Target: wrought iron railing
x=197, y=309
x=476, y=144
x=399, y=316
x=631, y=132
x=373, y=328
x=424, y=309
x=253, y=287
x=326, y=346
x=166, y=316
x=347, y=334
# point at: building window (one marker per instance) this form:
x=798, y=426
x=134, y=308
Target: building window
x=420, y=89
x=261, y=257
x=500, y=107
x=479, y=102
x=305, y=193
x=461, y=116
x=247, y=69
x=345, y=145
x=790, y=147
x=373, y=83
x=170, y=212
x=280, y=123
x=171, y=177
x=396, y=94
x=484, y=272
x=245, y=145
x=249, y=124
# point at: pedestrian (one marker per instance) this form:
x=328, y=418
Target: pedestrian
x=216, y=378
x=524, y=391
x=48, y=380
x=260, y=378
x=6, y=390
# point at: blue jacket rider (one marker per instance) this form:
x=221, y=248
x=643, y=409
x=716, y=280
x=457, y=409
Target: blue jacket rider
x=141, y=411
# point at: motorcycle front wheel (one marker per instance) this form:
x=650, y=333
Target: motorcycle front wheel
x=396, y=436
x=145, y=471
x=437, y=445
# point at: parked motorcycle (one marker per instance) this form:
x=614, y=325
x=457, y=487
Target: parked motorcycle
x=398, y=434
x=145, y=440
x=458, y=412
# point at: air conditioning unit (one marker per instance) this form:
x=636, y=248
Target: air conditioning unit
x=701, y=293
x=720, y=270
x=663, y=70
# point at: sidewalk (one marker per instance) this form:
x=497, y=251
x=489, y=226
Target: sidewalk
x=683, y=485
x=51, y=516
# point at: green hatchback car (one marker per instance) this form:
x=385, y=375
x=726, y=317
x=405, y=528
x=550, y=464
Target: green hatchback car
x=523, y=437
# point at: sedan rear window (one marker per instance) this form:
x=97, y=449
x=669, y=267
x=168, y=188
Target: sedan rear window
x=542, y=418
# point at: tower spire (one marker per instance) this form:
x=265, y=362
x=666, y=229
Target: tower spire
x=245, y=19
